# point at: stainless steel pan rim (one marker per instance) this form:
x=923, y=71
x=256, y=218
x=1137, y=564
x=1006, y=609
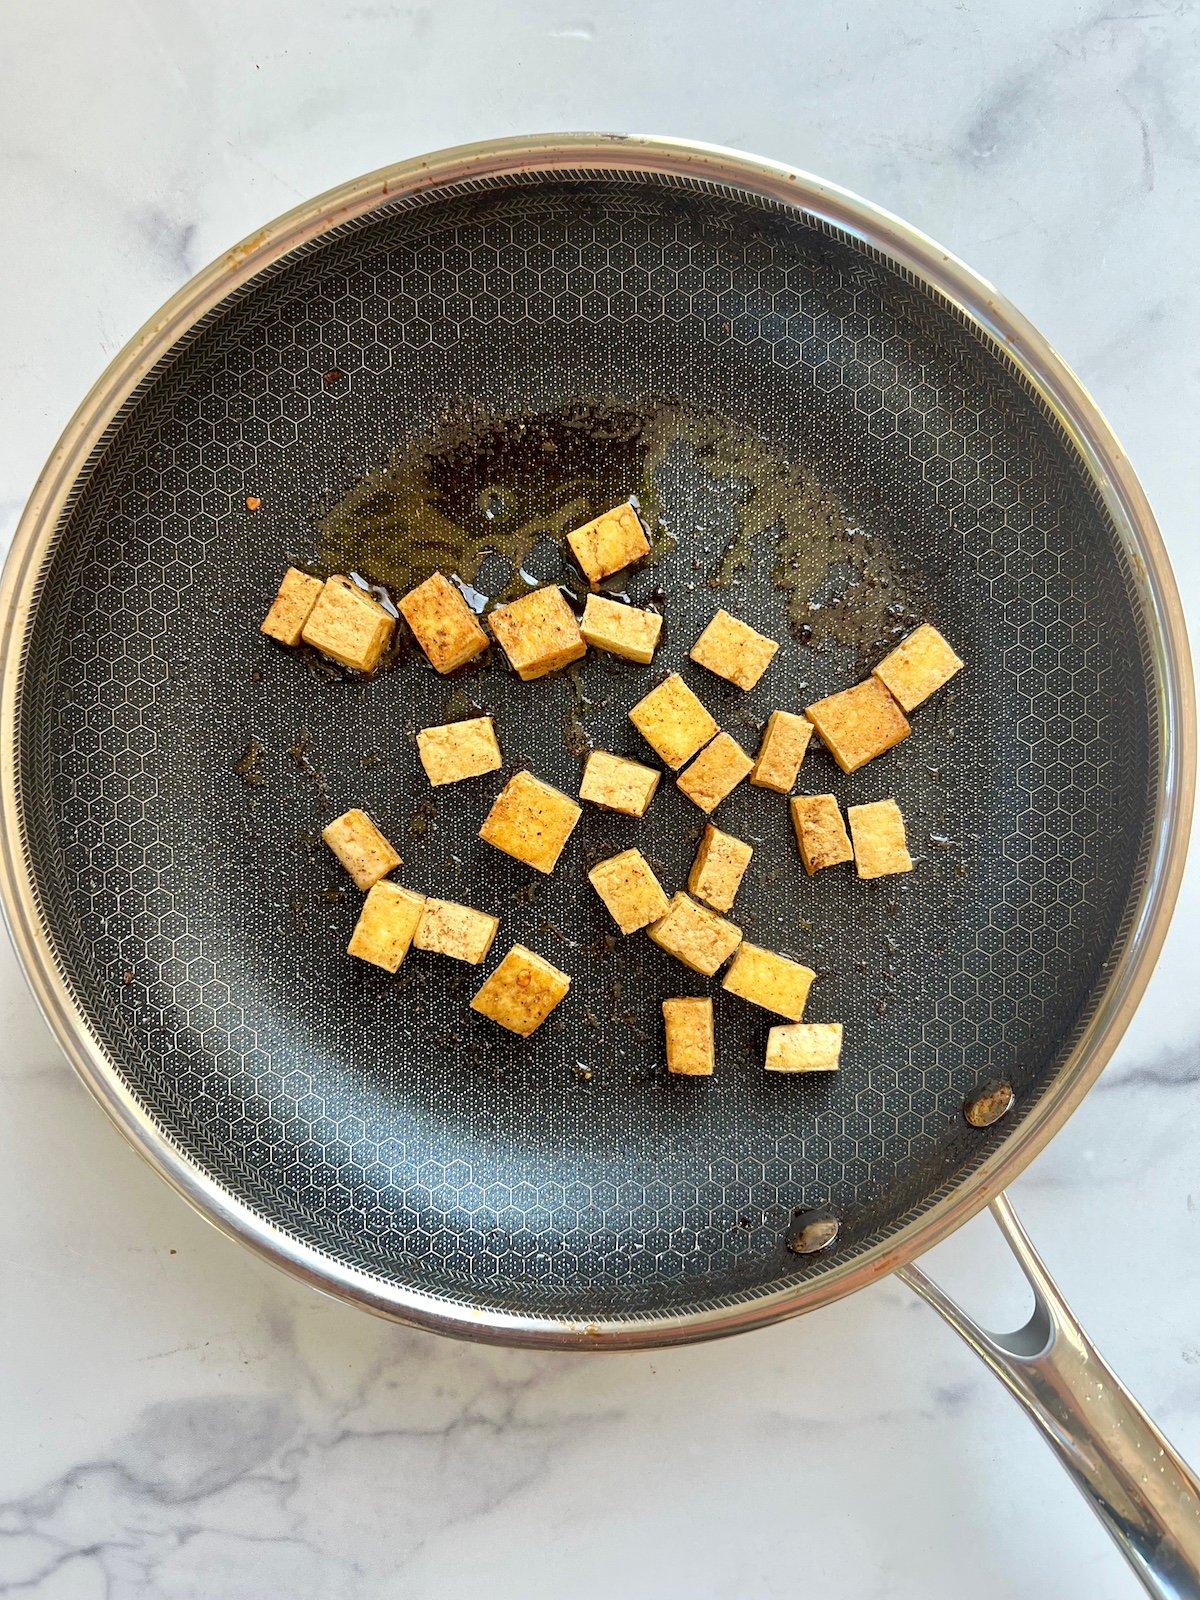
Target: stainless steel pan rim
x=979, y=304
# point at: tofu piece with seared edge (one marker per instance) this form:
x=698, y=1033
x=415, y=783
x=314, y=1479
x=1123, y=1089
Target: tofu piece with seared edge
x=691, y=1047
x=292, y=606
x=880, y=846
x=522, y=992
x=386, y=925
x=609, y=543
x=628, y=887
x=620, y=629
x=804, y=1047
x=696, y=936
x=443, y=624
x=858, y=724
x=784, y=743
x=715, y=773
x=918, y=667
x=768, y=980
x=449, y=929
x=734, y=650
x=361, y=848
x=719, y=868
x=538, y=633
x=820, y=832
x=531, y=821
x=618, y=784
x=673, y=722
x=349, y=626
x=457, y=750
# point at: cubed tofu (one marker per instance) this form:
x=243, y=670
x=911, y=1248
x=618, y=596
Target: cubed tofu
x=458, y=750
x=804, y=1047
x=618, y=784
x=719, y=868
x=820, y=832
x=715, y=773
x=628, y=887
x=531, y=821
x=673, y=722
x=538, y=633
x=696, y=936
x=858, y=724
x=880, y=847
x=453, y=930
x=770, y=981
x=522, y=992
x=386, y=925
x=443, y=624
x=918, y=667
x=733, y=650
x=784, y=742
x=611, y=542
x=620, y=629
x=691, y=1048
x=361, y=848
x=292, y=606
x=348, y=626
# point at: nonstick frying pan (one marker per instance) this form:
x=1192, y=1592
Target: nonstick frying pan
x=834, y=430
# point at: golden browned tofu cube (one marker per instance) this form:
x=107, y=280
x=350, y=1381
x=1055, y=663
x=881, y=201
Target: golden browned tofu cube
x=770, y=981
x=673, y=722
x=442, y=623
x=718, y=869
x=348, y=626
x=538, y=633
x=784, y=742
x=292, y=606
x=618, y=784
x=820, y=832
x=386, y=925
x=696, y=936
x=917, y=667
x=733, y=650
x=522, y=992
x=880, y=847
x=804, y=1047
x=361, y=848
x=531, y=821
x=458, y=750
x=858, y=724
x=609, y=543
x=453, y=930
x=620, y=629
x=715, y=773
x=628, y=887
x=691, y=1049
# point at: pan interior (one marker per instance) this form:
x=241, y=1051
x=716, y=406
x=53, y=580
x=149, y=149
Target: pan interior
x=820, y=447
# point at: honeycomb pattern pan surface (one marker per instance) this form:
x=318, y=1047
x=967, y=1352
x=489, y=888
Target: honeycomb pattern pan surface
x=819, y=442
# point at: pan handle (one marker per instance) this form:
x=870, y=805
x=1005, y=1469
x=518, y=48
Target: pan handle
x=1141, y=1489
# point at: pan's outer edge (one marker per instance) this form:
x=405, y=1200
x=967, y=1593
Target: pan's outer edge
x=980, y=304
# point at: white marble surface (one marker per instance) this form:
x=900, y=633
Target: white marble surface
x=177, y=1420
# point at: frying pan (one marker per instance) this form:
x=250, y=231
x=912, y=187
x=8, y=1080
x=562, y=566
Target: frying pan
x=834, y=429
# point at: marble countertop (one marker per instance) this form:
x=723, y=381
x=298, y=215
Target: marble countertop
x=182, y=1421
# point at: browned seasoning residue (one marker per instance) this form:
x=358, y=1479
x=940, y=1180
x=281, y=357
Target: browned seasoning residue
x=248, y=765
x=423, y=820
x=311, y=769
x=476, y=492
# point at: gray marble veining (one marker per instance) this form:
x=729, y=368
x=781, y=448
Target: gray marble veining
x=178, y=1420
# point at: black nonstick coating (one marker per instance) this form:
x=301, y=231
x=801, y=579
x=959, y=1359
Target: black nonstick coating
x=817, y=446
